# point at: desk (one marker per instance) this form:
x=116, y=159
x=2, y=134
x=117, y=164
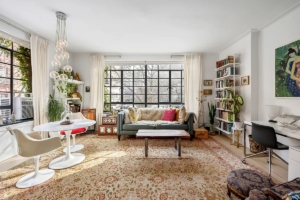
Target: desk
x=288, y=135
x=69, y=159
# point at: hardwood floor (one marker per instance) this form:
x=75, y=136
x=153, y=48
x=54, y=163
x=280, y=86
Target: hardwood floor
x=279, y=169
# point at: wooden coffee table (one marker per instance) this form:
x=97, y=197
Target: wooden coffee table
x=165, y=133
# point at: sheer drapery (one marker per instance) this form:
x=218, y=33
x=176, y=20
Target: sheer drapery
x=192, y=86
x=97, y=85
x=40, y=79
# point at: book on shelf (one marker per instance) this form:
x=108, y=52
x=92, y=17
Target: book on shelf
x=220, y=63
x=226, y=72
x=224, y=83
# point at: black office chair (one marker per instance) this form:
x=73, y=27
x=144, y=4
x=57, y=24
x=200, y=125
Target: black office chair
x=266, y=136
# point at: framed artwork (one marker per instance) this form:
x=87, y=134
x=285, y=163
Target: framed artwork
x=87, y=89
x=207, y=92
x=287, y=70
x=207, y=82
x=245, y=80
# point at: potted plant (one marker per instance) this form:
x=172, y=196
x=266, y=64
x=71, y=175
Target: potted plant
x=212, y=113
x=233, y=102
x=54, y=109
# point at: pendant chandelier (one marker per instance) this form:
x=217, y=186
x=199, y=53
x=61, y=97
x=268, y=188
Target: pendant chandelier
x=60, y=54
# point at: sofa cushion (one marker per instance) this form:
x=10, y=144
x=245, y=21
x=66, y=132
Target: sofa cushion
x=136, y=127
x=182, y=113
x=173, y=126
x=151, y=113
x=126, y=116
x=169, y=115
x=134, y=114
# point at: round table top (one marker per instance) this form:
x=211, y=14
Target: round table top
x=55, y=126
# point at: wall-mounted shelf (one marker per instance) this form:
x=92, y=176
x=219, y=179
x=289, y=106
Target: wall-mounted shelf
x=227, y=65
x=222, y=130
x=223, y=120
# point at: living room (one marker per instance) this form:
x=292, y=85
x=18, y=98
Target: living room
x=151, y=56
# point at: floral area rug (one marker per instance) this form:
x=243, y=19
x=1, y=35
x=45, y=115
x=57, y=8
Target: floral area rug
x=119, y=170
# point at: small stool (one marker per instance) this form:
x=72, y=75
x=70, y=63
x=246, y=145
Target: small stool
x=241, y=181
x=236, y=132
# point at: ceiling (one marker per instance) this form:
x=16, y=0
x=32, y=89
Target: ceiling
x=146, y=27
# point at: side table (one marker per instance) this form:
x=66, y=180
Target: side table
x=108, y=127
x=236, y=132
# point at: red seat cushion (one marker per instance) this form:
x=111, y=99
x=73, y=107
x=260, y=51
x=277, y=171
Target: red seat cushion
x=75, y=131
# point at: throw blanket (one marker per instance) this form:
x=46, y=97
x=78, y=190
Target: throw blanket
x=157, y=122
x=188, y=115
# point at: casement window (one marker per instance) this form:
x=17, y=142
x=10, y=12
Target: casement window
x=15, y=74
x=159, y=85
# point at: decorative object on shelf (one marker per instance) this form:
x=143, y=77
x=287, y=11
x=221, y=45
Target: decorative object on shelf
x=287, y=70
x=61, y=54
x=207, y=92
x=77, y=77
x=54, y=109
x=76, y=94
x=212, y=113
x=207, y=82
x=87, y=89
x=245, y=80
x=229, y=59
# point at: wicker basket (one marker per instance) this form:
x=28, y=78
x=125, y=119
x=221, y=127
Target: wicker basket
x=254, y=146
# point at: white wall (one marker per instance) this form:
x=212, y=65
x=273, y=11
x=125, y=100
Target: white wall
x=279, y=33
x=208, y=73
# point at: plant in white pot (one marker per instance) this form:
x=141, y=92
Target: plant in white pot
x=234, y=102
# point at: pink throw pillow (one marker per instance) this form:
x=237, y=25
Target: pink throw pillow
x=169, y=115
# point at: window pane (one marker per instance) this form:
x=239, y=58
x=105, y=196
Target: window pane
x=115, y=98
x=127, y=82
x=175, y=98
x=128, y=98
x=115, y=67
x=106, y=107
x=139, y=82
x=139, y=74
x=164, y=67
x=139, y=67
x=21, y=60
x=19, y=86
x=163, y=74
x=126, y=106
x=5, y=43
x=127, y=74
x=152, y=67
x=163, y=82
x=152, y=106
x=106, y=98
x=152, y=90
x=163, y=98
x=4, y=56
x=115, y=90
x=115, y=82
x=175, y=74
x=175, y=82
x=176, y=90
x=4, y=85
x=139, y=90
x=115, y=74
x=176, y=66
x=163, y=90
x=139, y=98
x=152, y=98
x=139, y=105
x=152, y=73
x=17, y=72
x=152, y=82
x=5, y=99
x=4, y=70
x=127, y=67
x=5, y=113
x=106, y=90
x=128, y=90
x=182, y=90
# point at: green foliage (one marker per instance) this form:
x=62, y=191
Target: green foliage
x=212, y=113
x=60, y=85
x=235, y=101
x=54, y=109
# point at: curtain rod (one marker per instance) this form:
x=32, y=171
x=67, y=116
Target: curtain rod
x=14, y=26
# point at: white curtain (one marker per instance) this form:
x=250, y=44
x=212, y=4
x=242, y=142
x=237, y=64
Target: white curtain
x=97, y=85
x=40, y=79
x=192, y=86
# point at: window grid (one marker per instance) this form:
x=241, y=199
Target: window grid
x=143, y=93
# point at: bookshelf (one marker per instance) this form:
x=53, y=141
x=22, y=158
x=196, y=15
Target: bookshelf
x=227, y=78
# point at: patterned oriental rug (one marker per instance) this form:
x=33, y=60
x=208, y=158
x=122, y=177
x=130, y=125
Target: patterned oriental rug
x=118, y=170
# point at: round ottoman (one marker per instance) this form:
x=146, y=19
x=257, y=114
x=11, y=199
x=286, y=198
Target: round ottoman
x=241, y=181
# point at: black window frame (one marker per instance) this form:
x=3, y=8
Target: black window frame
x=145, y=94
x=12, y=65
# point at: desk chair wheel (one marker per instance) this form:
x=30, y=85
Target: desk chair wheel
x=243, y=161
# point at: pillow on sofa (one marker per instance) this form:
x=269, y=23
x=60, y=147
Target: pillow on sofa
x=177, y=114
x=126, y=118
x=169, y=115
x=182, y=113
x=133, y=114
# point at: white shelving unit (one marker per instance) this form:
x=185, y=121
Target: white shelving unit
x=227, y=78
x=80, y=86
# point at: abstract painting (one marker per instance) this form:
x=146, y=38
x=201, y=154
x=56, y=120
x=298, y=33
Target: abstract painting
x=287, y=70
